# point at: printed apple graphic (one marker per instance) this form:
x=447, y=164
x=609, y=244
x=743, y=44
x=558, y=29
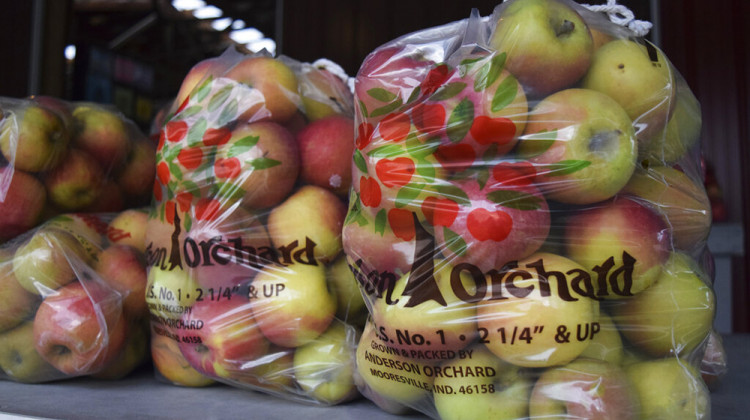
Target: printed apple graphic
x=548, y=44
x=139, y=169
x=503, y=394
x=238, y=248
x=260, y=158
x=582, y=144
x=172, y=366
x=16, y=303
x=170, y=293
x=350, y=306
x=638, y=76
x=128, y=227
x=102, y=133
x=310, y=215
x=324, y=367
x=375, y=371
x=549, y=325
x=584, y=388
x=422, y=303
x=491, y=226
x=275, y=81
x=669, y=388
x=607, y=344
x=680, y=200
x=683, y=129
x=229, y=337
x=376, y=246
x=47, y=261
x=323, y=93
x=76, y=182
x=22, y=202
x=76, y=333
x=292, y=305
x=123, y=268
x=622, y=243
x=674, y=315
x=19, y=358
x=33, y=138
x=326, y=146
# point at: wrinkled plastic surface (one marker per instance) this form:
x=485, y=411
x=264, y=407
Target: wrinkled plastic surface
x=248, y=284
x=528, y=222
x=71, y=298
x=59, y=157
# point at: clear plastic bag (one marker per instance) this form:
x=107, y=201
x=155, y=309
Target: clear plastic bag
x=71, y=298
x=61, y=157
x=248, y=284
x=528, y=223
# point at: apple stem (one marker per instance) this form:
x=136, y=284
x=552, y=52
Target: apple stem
x=565, y=28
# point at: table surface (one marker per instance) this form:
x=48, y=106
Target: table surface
x=141, y=396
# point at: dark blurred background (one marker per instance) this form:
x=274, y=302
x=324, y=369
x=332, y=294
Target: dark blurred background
x=135, y=53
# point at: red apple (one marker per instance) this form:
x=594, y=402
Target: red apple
x=326, y=146
x=123, y=268
x=102, y=133
x=198, y=74
x=76, y=182
x=76, y=333
x=22, y=201
x=137, y=175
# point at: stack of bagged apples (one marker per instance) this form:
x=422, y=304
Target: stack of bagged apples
x=528, y=222
x=248, y=284
x=61, y=157
x=71, y=298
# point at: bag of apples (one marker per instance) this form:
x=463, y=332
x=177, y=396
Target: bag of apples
x=72, y=298
x=528, y=223
x=248, y=284
x=63, y=157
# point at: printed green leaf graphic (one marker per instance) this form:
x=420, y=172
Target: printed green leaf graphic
x=387, y=109
x=459, y=123
x=195, y=133
x=482, y=177
x=565, y=167
x=380, y=222
x=518, y=200
x=489, y=73
x=538, y=143
x=363, y=109
x=189, y=112
x=505, y=94
x=426, y=170
x=407, y=194
x=389, y=150
x=448, y=91
x=188, y=222
x=466, y=64
x=219, y=98
x=381, y=94
x=454, y=193
x=490, y=154
x=414, y=94
x=175, y=170
x=454, y=242
x=191, y=187
x=204, y=90
x=419, y=150
x=354, y=208
x=359, y=161
x=264, y=163
x=242, y=146
x=229, y=113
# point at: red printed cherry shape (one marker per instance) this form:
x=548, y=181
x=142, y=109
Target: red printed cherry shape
x=369, y=192
x=395, y=127
x=395, y=172
x=402, y=224
x=439, y=211
x=485, y=225
x=487, y=130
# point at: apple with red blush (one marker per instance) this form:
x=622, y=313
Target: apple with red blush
x=23, y=202
x=326, y=146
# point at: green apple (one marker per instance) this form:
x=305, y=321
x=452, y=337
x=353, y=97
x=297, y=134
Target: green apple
x=431, y=329
x=350, y=306
x=170, y=293
x=394, y=382
x=87, y=228
x=582, y=144
x=129, y=228
x=540, y=321
x=323, y=93
x=324, y=367
x=639, y=77
x=47, y=260
x=20, y=360
x=548, y=44
x=607, y=343
x=680, y=200
x=16, y=303
x=33, y=138
x=500, y=391
x=622, y=242
x=584, y=389
x=292, y=304
x=669, y=388
x=674, y=315
x=272, y=372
